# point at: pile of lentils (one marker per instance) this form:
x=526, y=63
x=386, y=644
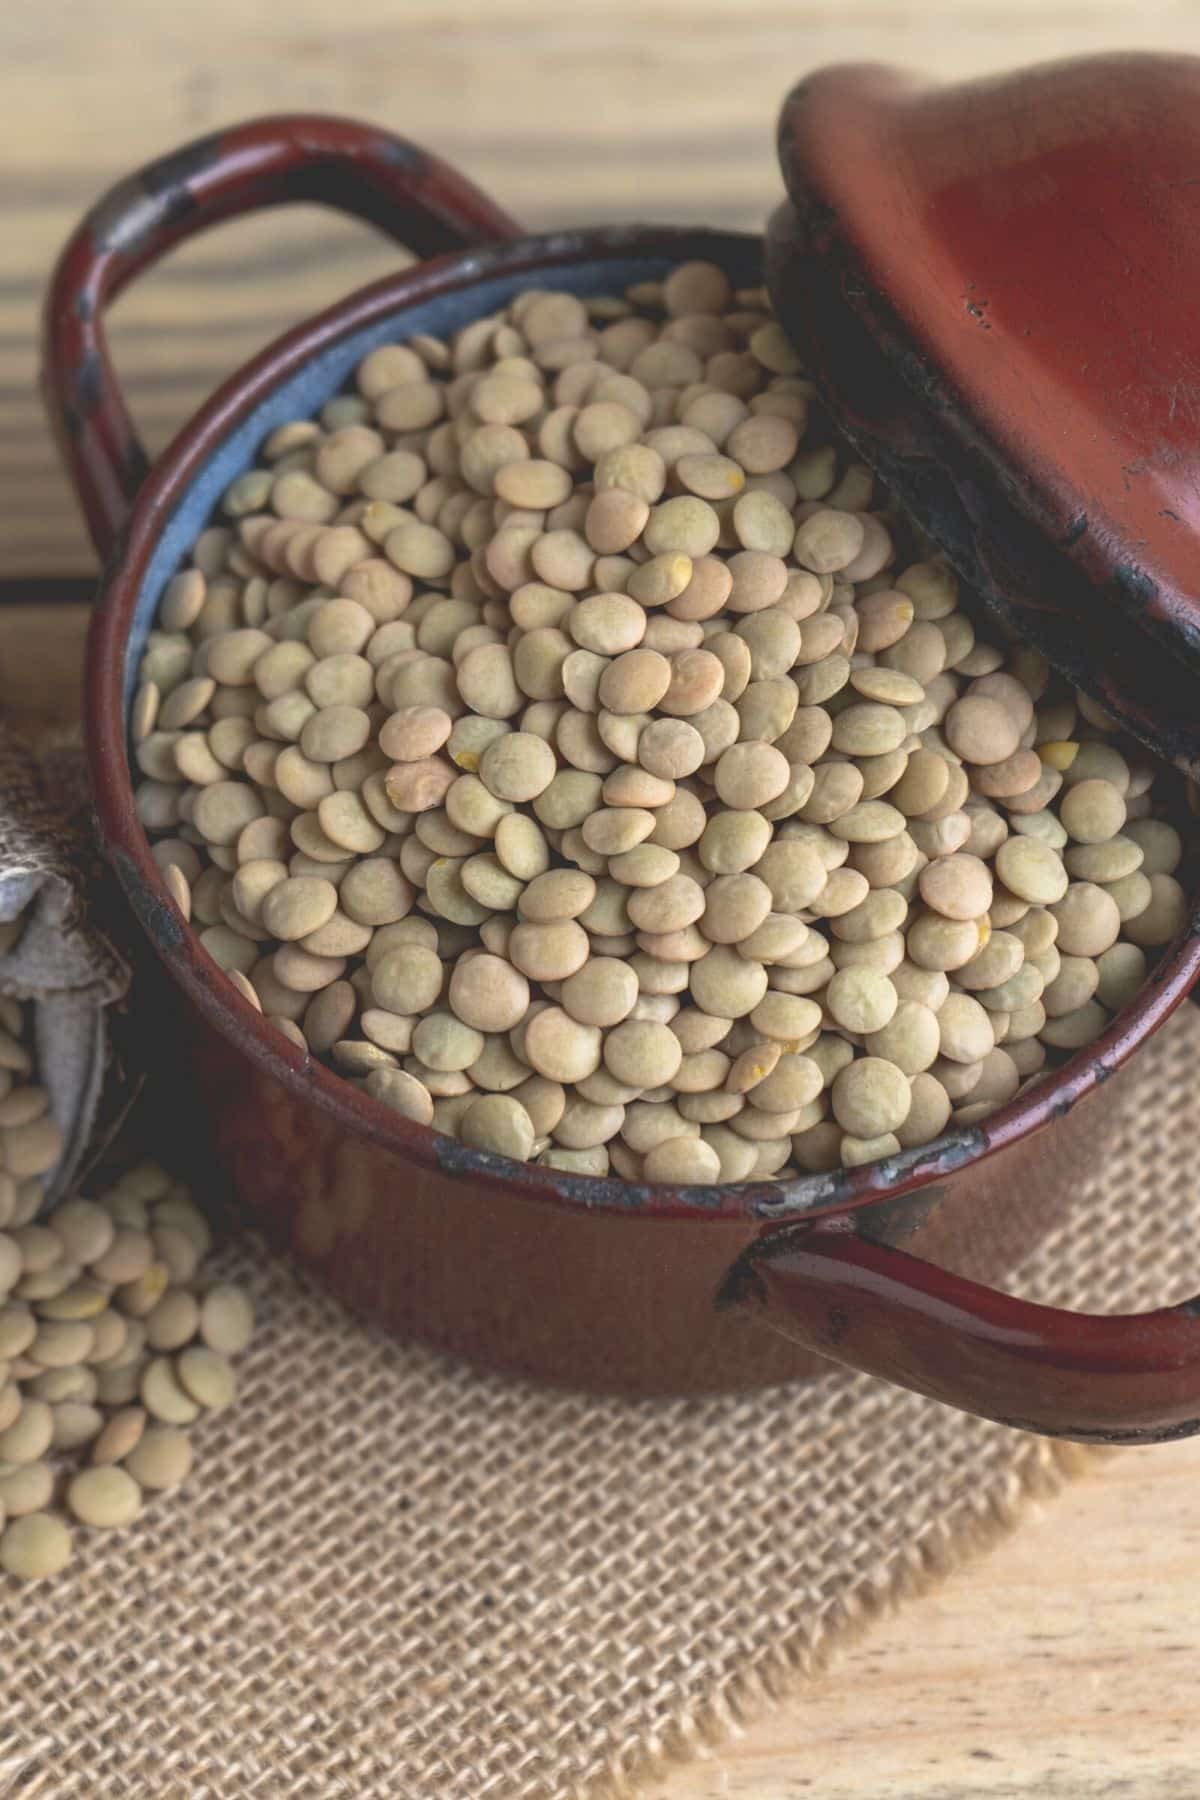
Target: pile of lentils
x=111, y=1346
x=31, y=1139
x=563, y=738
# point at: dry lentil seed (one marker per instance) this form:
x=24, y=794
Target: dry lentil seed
x=981, y=730
x=938, y=943
x=560, y=1047
x=1088, y=920
x=747, y=776
x=401, y=1092
x=61, y=1343
x=488, y=993
x=415, y=732
x=205, y=1377
x=172, y=1321
x=161, y=1459
x=1160, y=843
x=642, y=1054
x=1070, y=1031
x=1163, y=918
x=1092, y=811
x=957, y=886
x=870, y=1097
x=682, y=1160
x=498, y=1123
x=35, y=1546
x=297, y=905
x=550, y=951
x=18, y=1328
x=1106, y=862
x=793, y=871
x=25, y=1488
x=104, y=1497
x=85, y=1230
x=1032, y=870
x=1121, y=971
x=857, y=1150
x=517, y=767
x=861, y=999
x=29, y=1435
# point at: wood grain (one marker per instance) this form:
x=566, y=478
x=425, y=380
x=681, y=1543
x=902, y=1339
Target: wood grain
x=1061, y=1666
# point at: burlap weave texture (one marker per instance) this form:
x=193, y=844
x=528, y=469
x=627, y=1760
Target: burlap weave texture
x=391, y=1578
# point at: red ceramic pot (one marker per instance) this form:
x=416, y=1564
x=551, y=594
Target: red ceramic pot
x=569, y=1279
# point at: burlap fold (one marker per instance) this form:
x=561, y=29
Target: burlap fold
x=390, y=1578
x=51, y=950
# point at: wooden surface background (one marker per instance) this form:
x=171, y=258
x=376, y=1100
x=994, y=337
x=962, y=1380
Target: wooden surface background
x=1062, y=1666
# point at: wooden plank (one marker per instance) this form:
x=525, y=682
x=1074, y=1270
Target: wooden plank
x=41, y=662
x=1060, y=1667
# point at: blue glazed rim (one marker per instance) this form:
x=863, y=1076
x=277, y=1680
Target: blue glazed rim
x=292, y=379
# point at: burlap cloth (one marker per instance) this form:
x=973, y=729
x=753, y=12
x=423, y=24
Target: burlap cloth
x=52, y=950
x=390, y=1578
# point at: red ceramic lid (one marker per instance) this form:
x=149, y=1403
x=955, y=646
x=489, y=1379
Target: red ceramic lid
x=996, y=283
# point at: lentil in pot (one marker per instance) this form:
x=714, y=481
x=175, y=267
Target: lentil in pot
x=563, y=738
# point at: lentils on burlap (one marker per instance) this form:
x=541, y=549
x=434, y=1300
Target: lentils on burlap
x=563, y=739
x=31, y=1139
x=110, y=1342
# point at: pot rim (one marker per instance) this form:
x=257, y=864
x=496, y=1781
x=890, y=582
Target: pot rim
x=127, y=847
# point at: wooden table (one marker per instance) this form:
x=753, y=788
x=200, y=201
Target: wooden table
x=1063, y=1665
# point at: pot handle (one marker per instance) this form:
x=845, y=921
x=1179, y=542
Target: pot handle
x=411, y=195
x=1126, y=1379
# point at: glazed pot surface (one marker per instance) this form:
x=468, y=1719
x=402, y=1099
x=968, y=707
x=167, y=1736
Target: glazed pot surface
x=510, y=1269
x=592, y=1299
x=573, y=1279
